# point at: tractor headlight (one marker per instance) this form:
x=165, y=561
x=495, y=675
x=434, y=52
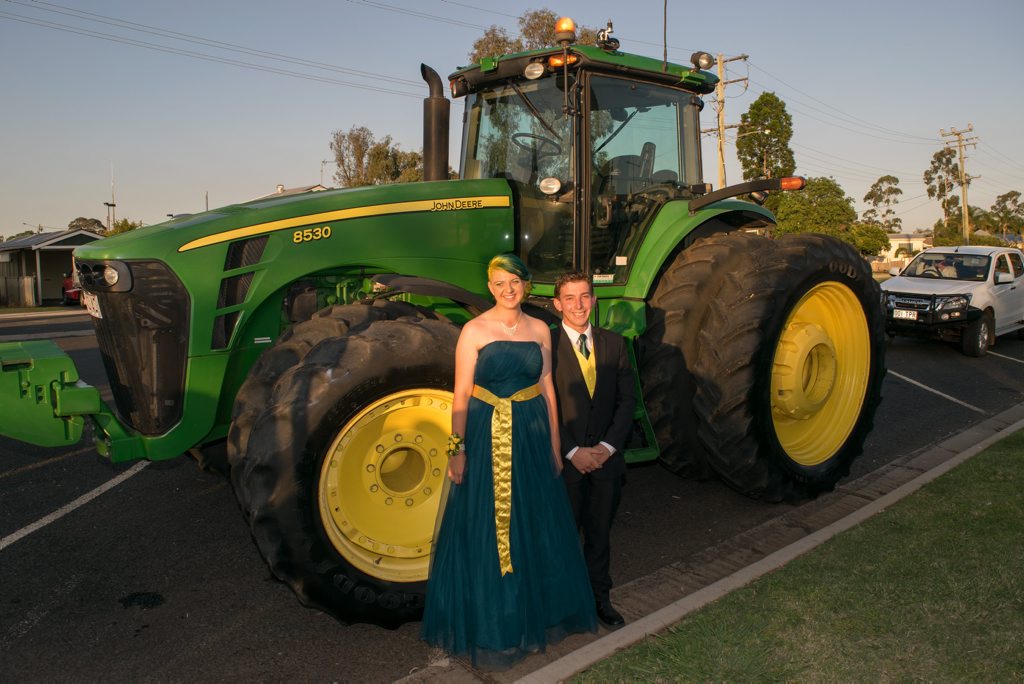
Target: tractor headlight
x=110, y=276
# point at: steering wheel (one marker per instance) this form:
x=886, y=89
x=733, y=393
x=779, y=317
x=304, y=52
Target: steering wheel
x=539, y=143
x=931, y=272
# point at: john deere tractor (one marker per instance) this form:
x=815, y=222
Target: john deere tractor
x=305, y=344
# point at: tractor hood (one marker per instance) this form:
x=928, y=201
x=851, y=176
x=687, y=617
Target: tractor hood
x=276, y=216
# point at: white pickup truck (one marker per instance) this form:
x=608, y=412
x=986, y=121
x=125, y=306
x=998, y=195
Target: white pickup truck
x=972, y=294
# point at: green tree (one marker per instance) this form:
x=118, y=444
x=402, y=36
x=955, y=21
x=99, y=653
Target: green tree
x=24, y=233
x=364, y=160
x=82, y=223
x=1008, y=213
x=762, y=143
x=536, y=30
x=123, y=226
x=941, y=179
x=821, y=207
x=870, y=239
x=882, y=196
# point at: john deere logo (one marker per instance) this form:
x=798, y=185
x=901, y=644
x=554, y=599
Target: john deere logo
x=453, y=204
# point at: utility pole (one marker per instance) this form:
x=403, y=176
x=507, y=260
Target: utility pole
x=720, y=108
x=962, y=142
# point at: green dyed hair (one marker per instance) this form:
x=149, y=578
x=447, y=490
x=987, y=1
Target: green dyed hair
x=510, y=263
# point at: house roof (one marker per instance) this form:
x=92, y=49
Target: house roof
x=50, y=240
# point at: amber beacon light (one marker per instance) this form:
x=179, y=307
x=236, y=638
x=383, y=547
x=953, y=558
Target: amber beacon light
x=565, y=31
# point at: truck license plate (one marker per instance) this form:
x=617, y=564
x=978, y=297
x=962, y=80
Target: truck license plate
x=92, y=305
x=905, y=314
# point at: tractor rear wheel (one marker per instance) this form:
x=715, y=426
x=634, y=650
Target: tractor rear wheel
x=344, y=468
x=676, y=312
x=790, y=368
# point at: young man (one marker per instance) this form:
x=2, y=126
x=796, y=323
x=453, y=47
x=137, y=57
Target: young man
x=595, y=389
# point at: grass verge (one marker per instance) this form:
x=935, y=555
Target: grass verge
x=930, y=589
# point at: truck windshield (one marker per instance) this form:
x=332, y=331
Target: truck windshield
x=950, y=266
x=518, y=132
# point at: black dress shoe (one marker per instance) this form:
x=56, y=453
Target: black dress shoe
x=607, y=614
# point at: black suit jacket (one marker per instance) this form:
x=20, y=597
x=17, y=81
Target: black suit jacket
x=608, y=417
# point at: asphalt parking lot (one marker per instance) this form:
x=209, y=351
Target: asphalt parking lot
x=155, y=577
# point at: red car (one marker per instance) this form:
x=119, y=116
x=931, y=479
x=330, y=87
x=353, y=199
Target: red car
x=70, y=292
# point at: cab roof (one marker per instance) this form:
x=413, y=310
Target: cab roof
x=491, y=69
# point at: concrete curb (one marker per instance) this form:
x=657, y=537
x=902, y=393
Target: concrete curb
x=42, y=314
x=637, y=630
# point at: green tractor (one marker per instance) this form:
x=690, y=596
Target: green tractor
x=305, y=344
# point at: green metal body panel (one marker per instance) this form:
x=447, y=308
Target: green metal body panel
x=669, y=228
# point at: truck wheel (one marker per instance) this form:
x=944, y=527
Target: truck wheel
x=790, y=368
x=675, y=313
x=344, y=469
x=976, y=338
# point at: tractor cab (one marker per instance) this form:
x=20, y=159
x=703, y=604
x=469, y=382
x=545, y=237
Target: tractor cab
x=593, y=142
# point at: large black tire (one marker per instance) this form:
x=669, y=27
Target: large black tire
x=676, y=312
x=977, y=337
x=790, y=367
x=344, y=467
x=332, y=321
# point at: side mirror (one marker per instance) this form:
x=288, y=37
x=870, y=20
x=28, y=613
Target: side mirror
x=1002, y=278
x=894, y=271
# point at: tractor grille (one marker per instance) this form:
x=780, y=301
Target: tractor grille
x=143, y=338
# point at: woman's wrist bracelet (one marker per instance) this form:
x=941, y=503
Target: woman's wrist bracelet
x=455, y=444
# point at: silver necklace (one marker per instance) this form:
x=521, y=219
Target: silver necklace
x=510, y=330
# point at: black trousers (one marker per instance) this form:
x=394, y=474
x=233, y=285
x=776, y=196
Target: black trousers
x=594, y=502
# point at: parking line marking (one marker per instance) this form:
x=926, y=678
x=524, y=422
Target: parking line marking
x=941, y=394
x=1004, y=356
x=43, y=463
x=64, y=510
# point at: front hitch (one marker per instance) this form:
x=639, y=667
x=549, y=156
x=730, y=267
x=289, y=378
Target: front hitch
x=43, y=402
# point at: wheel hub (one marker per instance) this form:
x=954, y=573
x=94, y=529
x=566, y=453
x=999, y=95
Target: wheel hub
x=381, y=481
x=820, y=373
x=804, y=373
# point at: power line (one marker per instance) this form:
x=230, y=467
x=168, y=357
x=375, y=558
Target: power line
x=862, y=121
x=190, y=38
x=789, y=104
x=197, y=55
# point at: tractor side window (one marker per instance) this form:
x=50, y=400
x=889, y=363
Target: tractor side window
x=519, y=133
x=638, y=161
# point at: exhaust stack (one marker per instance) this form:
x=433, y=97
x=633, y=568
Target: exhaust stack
x=436, y=110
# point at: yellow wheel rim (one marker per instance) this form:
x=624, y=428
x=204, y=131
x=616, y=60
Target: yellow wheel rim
x=381, y=484
x=820, y=373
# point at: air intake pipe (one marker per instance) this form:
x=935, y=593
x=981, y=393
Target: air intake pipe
x=436, y=110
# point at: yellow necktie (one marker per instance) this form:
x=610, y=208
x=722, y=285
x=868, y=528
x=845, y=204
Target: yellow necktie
x=587, y=363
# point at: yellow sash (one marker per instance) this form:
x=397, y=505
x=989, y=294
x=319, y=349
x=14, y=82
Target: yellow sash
x=501, y=463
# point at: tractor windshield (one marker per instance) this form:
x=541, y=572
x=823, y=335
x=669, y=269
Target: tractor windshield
x=518, y=131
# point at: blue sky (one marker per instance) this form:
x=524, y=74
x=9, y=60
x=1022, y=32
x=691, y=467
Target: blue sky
x=869, y=85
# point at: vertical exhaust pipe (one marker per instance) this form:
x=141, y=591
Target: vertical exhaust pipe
x=436, y=110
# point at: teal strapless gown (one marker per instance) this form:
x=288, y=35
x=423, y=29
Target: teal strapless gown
x=471, y=609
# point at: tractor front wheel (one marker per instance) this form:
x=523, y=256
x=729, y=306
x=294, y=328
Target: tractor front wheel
x=344, y=469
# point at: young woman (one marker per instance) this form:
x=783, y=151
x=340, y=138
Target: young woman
x=507, y=576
